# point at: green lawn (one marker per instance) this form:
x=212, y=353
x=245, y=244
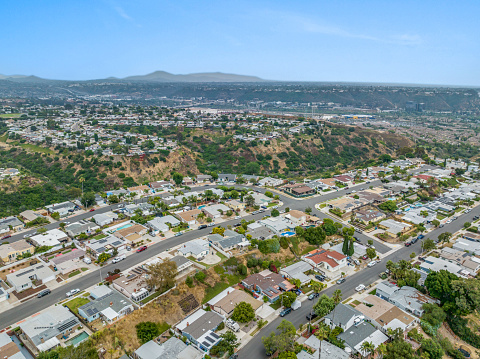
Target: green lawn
x=99, y=236
x=211, y=292
x=440, y=216
x=194, y=260
x=459, y=209
x=276, y=305
x=163, y=327
x=83, y=269
x=308, y=249
x=373, y=292
x=73, y=274
x=222, y=256
x=10, y=115
x=35, y=148
x=76, y=303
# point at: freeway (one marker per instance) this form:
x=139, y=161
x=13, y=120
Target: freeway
x=255, y=348
x=35, y=305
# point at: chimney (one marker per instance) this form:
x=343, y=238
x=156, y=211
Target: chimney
x=188, y=324
x=111, y=303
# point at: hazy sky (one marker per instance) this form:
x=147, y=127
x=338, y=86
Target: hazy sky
x=435, y=42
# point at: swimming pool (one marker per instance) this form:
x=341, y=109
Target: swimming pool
x=77, y=339
x=123, y=227
x=288, y=234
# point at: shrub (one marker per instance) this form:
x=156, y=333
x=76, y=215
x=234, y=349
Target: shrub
x=200, y=276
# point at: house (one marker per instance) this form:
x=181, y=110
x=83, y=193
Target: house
x=432, y=264
x=271, y=182
x=103, y=219
x=119, y=193
x=367, y=215
x=29, y=215
x=385, y=315
x=356, y=335
x=321, y=350
x=323, y=259
x=133, y=287
x=466, y=245
x=105, y=245
x=393, y=227
x=297, y=271
x=468, y=261
x=199, y=328
x=215, y=211
x=261, y=199
x=189, y=217
x=173, y=348
x=259, y=231
x=10, y=251
x=68, y=262
x=278, y=224
x=10, y=224
x=330, y=182
x=267, y=283
x=8, y=348
x=50, y=238
x=159, y=186
x=230, y=240
x=406, y=298
x=347, y=204
x=297, y=217
x=299, y=189
x=132, y=233
x=107, y=304
x=80, y=227
x=182, y=264
x=224, y=177
x=344, y=179
x=159, y=224
x=139, y=190
x=225, y=302
x=45, y=329
x=63, y=209
x=235, y=205
x=204, y=178
x=145, y=209
x=197, y=248
x=22, y=279
x=343, y=316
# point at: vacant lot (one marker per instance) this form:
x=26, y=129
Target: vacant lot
x=76, y=303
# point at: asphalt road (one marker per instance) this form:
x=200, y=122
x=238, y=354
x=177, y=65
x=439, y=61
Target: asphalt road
x=35, y=305
x=255, y=348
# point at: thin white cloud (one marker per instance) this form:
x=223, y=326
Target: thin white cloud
x=123, y=14
x=308, y=25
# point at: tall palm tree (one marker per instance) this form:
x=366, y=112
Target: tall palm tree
x=367, y=348
x=337, y=296
x=322, y=332
x=382, y=350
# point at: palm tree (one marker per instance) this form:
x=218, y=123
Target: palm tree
x=382, y=350
x=316, y=287
x=337, y=296
x=322, y=332
x=367, y=348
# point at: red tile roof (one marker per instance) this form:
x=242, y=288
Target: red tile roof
x=322, y=255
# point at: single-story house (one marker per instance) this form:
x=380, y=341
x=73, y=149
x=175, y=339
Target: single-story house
x=394, y=227
x=323, y=259
x=105, y=245
x=215, y=210
x=68, y=262
x=204, y=178
x=297, y=271
x=8, y=348
x=146, y=209
x=225, y=177
x=107, y=304
x=230, y=240
x=80, y=227
x=50, y=238
x=29, y=215
x=197, y=248
x=321, y=350
x=369, y=215
x=235, y=205
x=269, y=181
x=173, y=348
x=10, y=224
x=297, y=217
x=139, y=190
x=103, y=219
x=22, y=279
x=132, y=233
x=189, y=217
x=278, y=224
x=225, y=302
x=267, y=283
x=63, y=209
x=343, y=316
x=133, y=287
x=356, y=335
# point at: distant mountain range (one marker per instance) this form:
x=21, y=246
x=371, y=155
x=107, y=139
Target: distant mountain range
x=157, y=76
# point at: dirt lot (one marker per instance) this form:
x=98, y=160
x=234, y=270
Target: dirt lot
x=457, y=342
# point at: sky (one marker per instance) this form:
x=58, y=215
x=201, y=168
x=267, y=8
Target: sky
x=387, y=41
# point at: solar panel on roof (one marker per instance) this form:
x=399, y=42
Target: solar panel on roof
x=215, y=335
x=207, y=345
x=102, y=241
x=26, y=272
x=210, y=339
x=116, y=243
x=67, y=325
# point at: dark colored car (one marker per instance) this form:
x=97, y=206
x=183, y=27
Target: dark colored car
x=357, y=240
x=43, y=293
x=203, y=226
x=420, y=236
x=313, y=296
x=141, y=249
x=341, y=280
x=321, y=278
x=408, y=244
x=311, y=316
x=285, y=312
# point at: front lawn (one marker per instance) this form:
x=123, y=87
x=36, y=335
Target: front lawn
x=276, y=305
x=74, y=273
x=99, y=236
x=222, y=256
x=76, y=303
x=211, y=292
x=440, y=216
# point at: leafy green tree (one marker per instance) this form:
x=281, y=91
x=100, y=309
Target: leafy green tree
x=102, y=258
x=428, y=245
x=324, y=305
x=467, y=295
x=351, y=248
x=177, y=178
x=287, y=299
x=399, y=349
x=243, y=313
x=161, y=275
x=249, y=200
x=275, y=213
x=287, y=355
x=269, y=194
x=314, y=235
x=200, y=276
x=189, y=282
x=226, y=345
x=147, y=331
x=88, y=199
x=337, y=296
x=439, y=285
x=444, y=237
x=436, y=222
x=433, y=348
x=467, y=224
x=308, y=210
x=389, y=206
x=433, y=314
x=346, y=243
x=371, y=253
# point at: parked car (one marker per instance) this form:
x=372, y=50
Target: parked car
x=408, y=244
x=321, y=278
x=356, y=261
x=7, y=236
x=211, y=224
x=285, y=312
x=233, y=325
x=93, y=209
x=119, y=258
x=341, y=280
x=178, y=234
x=237, y=217
x=365, y=257
x=313, y=296
x=357, y=240
x=141, y=249
x=43, y=293
x=203, y=226
x=311, y=316
x=360, y=287
x=73, y=292
x=448, y=221
x=371, y=264
x=441, y=225
x=87, y=260
x=128, y=248
x=420, y=236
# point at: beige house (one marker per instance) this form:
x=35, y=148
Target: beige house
x=299, y=218
x=10, y=252
x=236, y=205
x=189, y=217
x=132, y=233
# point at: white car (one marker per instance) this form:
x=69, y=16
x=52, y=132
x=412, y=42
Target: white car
x=237, y=217
x=371, y=264
x=119, y=258
x=449, y=221
x=73, y=292
x=360, y=288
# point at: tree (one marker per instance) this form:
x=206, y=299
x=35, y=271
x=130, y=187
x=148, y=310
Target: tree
x=275, y=213
x=467, y=224
x=189, y=281
x=351, y=248
x=371, y=253
x=287, y=299
x=337, y=296
x=367, y=348
x=399, y=349
x=370, y=242
x=250, y=201
x=389, y=206
x=200, y=276
x=177, y=178
x=88, y=199
x=147, y=331
x=316, y=286
x=226, y=345
x=444, y=237
x=161, y=275
x=433, y=314
x=314, y=235
x=218, y=230
x=55, y=216
x=243, y=313
x=102, y=258
x=324, y=305
x=287, y=355
x=433, y=349
x=346, y=243
x=269, y=194
x=436, y=222
x=428, y=245
x=308, y=210
x=468, y=295
x=439, y=285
